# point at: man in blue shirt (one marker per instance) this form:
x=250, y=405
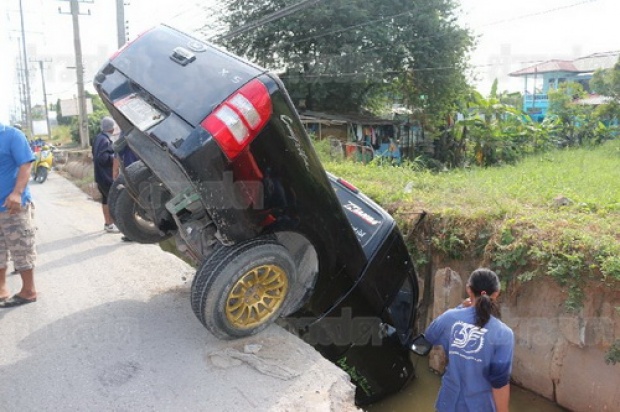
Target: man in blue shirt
x=17, y=229
x=479, y=349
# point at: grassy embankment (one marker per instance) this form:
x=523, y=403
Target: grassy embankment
x=509, y=217
x=61, y=136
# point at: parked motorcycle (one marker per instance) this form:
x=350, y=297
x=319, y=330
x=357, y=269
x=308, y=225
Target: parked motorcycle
x=43, y=162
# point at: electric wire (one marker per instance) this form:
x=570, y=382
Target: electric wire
x=540, y=13
x=333, y=57
x=345, y=29
x=283, y=12
x=280, y=14
x=521, y=17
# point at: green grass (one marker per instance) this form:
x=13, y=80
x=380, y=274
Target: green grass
x=589, y=177
x=61, y=136
x=507, y=215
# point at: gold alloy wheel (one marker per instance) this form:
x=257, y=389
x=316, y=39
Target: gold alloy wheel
x=256, y=296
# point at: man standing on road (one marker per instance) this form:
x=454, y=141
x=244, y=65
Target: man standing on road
x=17, y=229
x=103, y=157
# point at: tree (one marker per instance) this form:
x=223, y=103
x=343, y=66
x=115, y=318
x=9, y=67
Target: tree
x=514, y=99
x=607, y=83
x=562, y=104
x=493, y=94
x=341, y=55
x=580, y=123
x=495, y=132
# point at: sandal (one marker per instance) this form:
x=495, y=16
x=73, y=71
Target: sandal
x=15, y=300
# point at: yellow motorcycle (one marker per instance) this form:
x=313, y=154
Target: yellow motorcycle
x=42, y=164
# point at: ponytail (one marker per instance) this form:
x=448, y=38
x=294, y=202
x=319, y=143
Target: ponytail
x=483, y=283
x=485, y=307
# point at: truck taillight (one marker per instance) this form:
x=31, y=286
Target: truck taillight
x=348, y=185
x=237, y=121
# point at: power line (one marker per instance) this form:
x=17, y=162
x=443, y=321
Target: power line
x=539, y=13
x=283, y=12
x=426, y=37
x=199, y=21
x=344, y=29
x=417, y=69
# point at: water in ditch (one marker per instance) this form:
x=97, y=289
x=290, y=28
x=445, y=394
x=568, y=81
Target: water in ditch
x=420, y=395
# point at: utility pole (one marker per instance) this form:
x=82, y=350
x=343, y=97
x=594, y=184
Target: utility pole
x=47, y=114
x=26, y=74
x=79, y=70
x=20, y=84
x=120, y=23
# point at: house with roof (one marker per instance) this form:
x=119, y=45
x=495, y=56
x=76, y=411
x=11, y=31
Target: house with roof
x=552, y=73
x=366, y=136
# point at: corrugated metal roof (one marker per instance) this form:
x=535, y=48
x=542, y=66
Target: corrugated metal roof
x=586, y=64
x=326, y=118
x=547, y=67
x=597, y=61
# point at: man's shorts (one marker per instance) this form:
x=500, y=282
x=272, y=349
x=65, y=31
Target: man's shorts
x=104, y=190
x=17, y=236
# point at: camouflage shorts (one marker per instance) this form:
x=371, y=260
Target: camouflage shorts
x=17, y=236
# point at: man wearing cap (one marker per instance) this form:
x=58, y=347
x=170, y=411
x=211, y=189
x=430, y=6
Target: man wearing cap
x=103, y=157
x=17, y=230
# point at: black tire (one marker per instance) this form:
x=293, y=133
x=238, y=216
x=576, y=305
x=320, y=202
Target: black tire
x=135, y=175
x=132, y=219
x=41, y=175
x=117, y=186
x=257, y=266
x=134, y=222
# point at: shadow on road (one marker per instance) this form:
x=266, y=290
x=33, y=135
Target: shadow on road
x=122, y=354
x=61, y=244
x=71, y=244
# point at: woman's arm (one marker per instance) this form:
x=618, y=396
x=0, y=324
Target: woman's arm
x=501, y=397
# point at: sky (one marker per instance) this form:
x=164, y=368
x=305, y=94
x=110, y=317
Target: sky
x=510, y=35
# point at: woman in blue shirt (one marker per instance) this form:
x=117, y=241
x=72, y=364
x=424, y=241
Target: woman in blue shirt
x=479, y=348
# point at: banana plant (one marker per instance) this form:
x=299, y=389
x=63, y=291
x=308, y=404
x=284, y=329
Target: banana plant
x=495, y=131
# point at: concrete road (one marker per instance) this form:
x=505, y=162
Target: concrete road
x=113, y=330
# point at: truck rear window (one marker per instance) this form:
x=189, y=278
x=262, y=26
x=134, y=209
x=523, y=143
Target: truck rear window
x=191, y=88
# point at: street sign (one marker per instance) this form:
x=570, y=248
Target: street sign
x=69, y=107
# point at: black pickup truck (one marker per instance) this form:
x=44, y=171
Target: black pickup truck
x=227, y=170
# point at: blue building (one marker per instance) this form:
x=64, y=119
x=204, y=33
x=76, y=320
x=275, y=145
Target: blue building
x=545, y=76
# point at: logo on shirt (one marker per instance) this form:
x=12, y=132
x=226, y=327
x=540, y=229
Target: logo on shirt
x=468, y=338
